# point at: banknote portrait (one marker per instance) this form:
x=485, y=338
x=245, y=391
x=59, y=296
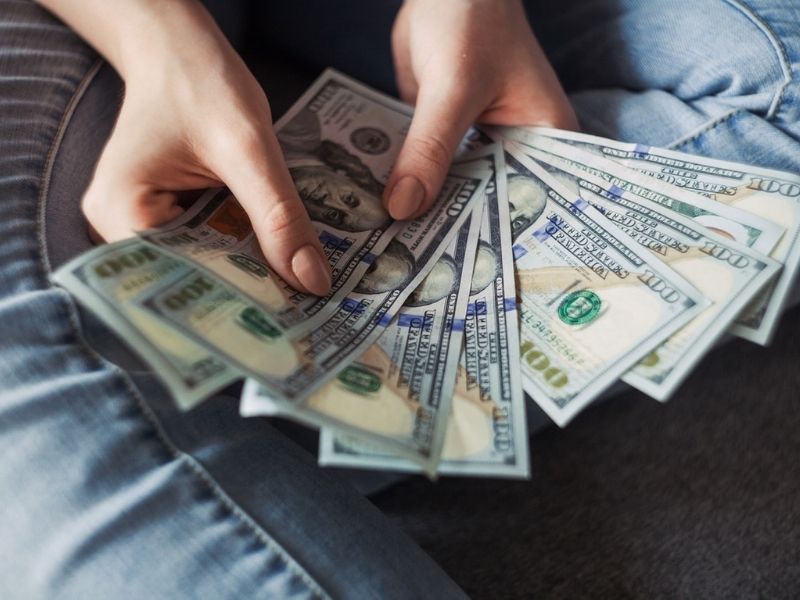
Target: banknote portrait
x=441, y=281
x=487, y=267
x=527, y=198
x=337, y=188
x=391, y=270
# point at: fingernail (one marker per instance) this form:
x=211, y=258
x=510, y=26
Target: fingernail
x=406, y=197
x=312, y=270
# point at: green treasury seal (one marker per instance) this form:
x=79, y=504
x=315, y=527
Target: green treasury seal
x=359, y=380
x=579, y=307
x=254, y=321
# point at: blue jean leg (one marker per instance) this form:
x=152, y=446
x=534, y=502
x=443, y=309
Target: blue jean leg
x=714, y=77
x=718, y=77
x=106, y=491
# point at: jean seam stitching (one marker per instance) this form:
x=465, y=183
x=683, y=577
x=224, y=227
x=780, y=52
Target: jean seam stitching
x=702, y=130
x=773, y=38
x=194, y=466
x=50, y=159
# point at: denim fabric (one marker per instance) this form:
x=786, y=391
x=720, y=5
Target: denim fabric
x=105, y=489
x=712, y=77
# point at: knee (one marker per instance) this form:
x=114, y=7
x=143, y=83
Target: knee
x=736, y=58
x=727, y=52
x=719, y=51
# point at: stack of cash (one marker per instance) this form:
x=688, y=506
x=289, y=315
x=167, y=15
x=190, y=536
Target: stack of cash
x=552, y=264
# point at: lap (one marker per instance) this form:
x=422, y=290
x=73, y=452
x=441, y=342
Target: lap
x=102, y=481
x=716, y=77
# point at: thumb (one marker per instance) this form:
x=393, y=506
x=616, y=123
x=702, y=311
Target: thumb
x=137, y=206
x=132, y=187
x=141, y=209
x=260, y=180
x=439, y=123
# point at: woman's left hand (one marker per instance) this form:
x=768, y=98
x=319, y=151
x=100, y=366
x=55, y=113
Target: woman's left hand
x=462, y=62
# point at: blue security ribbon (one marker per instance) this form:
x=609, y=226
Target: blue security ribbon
x=616, y=191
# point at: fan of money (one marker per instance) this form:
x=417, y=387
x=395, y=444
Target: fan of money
x=552, y=265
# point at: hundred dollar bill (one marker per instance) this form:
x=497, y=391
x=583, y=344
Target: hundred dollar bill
x=727, y=273
x=401, y=389
x=293, y=363
x=340, y=141
x=105, y=280
x=762, y=235
x=771, y=195
x=397, y=395
x=487, y=430
x=593, y=302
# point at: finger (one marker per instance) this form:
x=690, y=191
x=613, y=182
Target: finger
x=531, y=93
x=116, y=210
x=257, y=175
x=534, y=105
x=131, y=188
x=440, y=121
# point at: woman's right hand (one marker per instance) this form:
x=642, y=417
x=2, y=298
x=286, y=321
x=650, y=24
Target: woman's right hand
x=193, y=116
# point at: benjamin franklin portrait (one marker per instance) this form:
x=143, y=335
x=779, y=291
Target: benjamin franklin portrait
x=486, y=268
x=391, y=270
x=336, y=187
x=441, y=281
x=527, y=199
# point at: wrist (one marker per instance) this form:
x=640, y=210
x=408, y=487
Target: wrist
x=162, y=36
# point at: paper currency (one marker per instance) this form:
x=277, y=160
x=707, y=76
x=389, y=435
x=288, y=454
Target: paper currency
x=771, y=195
x=397, y=395
x=486, y=431
x=592, y=301
x=292, y=363
x=107, y=278
x=727, y=273
x=522, y=274
x=742, y=226
x=401, y=389
x=216, y=236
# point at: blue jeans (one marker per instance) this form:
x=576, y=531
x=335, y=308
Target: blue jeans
x=105, y=489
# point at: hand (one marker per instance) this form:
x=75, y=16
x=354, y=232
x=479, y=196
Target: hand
x=462, y=62
x=194, y=117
